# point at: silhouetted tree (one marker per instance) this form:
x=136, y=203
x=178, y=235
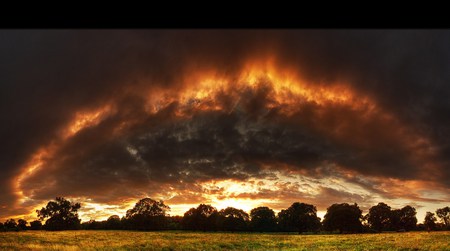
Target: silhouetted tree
x=299, y=216
x=10, y=224
x=379, y=217
x=263, y=219
x=444, y=215
x=404, y=219
x=148, y=214
x=343, y=218
x=204, y=218
x=113, y=222
x=232, y=219
x=36, y=225
x=395, y=221
x=22, y=224
x=61, y=213
x=429, y=221
x=382, y=218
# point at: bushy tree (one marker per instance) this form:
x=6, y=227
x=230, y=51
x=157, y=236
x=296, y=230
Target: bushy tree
x=300, y=217
x=148, y=214
x=233, y=219
x=263, y=219
x=61, y=214
x=429, y=221
x=10, y=224
x=113, y=222
x=382, y=218
x=343, y=218
x=204, y=218
x=379, y=217
x=405, y=218
x=22, y=224
x=444, y=215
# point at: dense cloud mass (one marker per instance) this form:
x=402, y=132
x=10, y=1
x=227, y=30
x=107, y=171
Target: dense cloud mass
x=320, y=116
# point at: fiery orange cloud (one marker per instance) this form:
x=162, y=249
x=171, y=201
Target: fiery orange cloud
x=86, y=119
x=283, y=90
x=288, y=95
x=202, y=91
x=81, y=121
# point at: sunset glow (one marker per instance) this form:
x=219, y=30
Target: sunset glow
x=260, y=127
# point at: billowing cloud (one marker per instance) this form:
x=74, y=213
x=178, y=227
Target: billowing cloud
x=106, y=117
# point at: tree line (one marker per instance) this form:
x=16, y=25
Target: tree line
x=149, y=214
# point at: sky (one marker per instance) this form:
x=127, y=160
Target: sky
x=240, y=118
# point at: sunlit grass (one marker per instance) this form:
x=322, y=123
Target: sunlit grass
x=177, y=240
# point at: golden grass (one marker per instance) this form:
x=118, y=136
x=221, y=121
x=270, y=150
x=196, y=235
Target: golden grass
x=177, y=240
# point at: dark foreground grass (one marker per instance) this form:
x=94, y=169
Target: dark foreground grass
x=174, y=240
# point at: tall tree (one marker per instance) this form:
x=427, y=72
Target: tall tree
x=233, y=219
x=204, y=218
x=429, y=221
x=379, y=217
x=148, y=214
x=343, y=218
x=61, y=213
x=406, y=218
x=22, y=224
x=263, y=219
x=299, y=216
x=444, y=215
x=113, y=222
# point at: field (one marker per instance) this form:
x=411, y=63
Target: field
x=173, y=240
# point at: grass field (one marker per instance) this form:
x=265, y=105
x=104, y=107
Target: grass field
x=130, y=240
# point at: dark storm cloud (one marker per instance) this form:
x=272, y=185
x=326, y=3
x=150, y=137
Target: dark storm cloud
x=165, y=149
x=406, y=72
x=47, y=76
